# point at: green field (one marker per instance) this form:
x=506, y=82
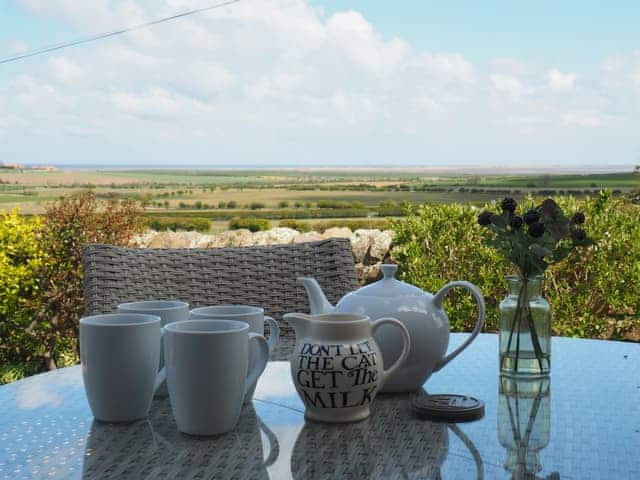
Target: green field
x=219, y=195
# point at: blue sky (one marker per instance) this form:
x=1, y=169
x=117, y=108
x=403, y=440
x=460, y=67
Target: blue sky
x=324, y=82
x=569, y=31
x=573, y=32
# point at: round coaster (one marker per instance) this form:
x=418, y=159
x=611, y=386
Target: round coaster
x=448, y=408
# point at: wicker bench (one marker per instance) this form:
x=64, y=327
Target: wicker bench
x=256, y=275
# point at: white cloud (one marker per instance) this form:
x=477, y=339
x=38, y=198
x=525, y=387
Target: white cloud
x=509, y=85
x=350, y=32
x=561, y=82
x=12, y=47
x=584, y=119
x=156, y=102
x=65, y=70
x=280, y=81
x=446, y=67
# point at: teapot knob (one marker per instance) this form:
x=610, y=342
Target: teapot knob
x=388, y=270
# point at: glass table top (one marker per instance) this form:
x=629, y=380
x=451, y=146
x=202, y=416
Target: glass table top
x=582, y=423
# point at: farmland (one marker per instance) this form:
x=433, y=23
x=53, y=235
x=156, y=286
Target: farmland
x=219, y=195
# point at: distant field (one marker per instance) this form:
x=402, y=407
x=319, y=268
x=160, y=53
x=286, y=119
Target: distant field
x=609, y=180
x=280, y=194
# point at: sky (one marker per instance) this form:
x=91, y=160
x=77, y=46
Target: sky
x=323, y=82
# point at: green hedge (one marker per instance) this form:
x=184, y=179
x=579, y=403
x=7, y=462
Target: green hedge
x=41, y=295
x=595, y=293
x=252, y=224
x=355, y=224
x=299, y=225
x=160, y=224
x=271, y=214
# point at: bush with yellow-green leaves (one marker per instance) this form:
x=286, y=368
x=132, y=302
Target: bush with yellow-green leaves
x=594, y=293
x=22, y=256
x=41, y=278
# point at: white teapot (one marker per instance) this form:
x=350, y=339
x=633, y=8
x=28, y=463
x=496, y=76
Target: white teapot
x=420, y=312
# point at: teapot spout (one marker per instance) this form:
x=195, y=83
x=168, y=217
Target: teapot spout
x=318, y=302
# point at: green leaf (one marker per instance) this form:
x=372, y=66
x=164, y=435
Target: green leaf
x=539, y=251
x=556, y=223
x=500, y=221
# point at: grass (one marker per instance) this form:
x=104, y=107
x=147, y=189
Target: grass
x=273, y=187
x=604, y=180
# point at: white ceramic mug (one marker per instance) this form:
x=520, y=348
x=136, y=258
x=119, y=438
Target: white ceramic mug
x=119, y=353
x=169, y=311
x=254, y=316
x=208, y=372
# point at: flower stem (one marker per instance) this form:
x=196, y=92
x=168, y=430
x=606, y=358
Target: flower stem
x=534, y=338
x=516, y=316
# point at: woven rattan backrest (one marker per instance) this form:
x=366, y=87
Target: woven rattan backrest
x=257, y=275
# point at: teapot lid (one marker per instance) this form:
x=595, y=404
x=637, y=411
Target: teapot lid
x=389, y=286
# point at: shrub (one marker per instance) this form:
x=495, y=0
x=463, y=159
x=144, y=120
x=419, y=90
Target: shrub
x=252, y=224
x=283, y=204
x=340, y=204
x=21, y=257
x=596, y=297
x=232, y=204
x=380, y=224
x=42, y=334
x=160, y=224
x=299, y=225
x=256, y=205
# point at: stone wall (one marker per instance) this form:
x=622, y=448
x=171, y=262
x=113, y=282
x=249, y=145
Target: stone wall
x=370, y=247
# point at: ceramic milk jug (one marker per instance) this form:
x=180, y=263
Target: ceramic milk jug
x=420, y=312
x=336, y=364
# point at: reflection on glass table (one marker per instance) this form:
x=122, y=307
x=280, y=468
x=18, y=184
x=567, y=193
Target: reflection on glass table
x=154, y=448
x=391, y=443
x=524, y=425
x=587, y=429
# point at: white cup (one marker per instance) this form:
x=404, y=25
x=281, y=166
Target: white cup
x=254, y=316
x=169, y=311
x=119, y=353
x=208, y=372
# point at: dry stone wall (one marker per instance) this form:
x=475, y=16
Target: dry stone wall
x=370, y=247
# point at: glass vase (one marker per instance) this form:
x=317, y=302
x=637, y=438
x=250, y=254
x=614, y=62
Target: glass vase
x=524, y=424
x=525, y=329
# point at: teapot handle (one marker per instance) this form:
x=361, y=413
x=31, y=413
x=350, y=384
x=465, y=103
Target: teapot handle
x=406, y=343
x=477, y=296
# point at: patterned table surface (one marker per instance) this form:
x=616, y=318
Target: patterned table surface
x=583, y=424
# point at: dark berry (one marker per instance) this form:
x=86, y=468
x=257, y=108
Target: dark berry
x=532, y=216
x=536, y=229
x=579, y=235
x=485, y=218
x=578, y=218
x=508, y=205
x=516, y=222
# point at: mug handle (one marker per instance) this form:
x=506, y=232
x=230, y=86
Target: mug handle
x=274, y=333
x=406, y=343
x=260, y=364
x=161, y=377
x=477, y=296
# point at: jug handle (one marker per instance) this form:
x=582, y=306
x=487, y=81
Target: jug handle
x=406, y=344
x=274, y=446
x=477, y=296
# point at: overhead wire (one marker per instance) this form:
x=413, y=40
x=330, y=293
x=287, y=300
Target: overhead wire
x=100, y=36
